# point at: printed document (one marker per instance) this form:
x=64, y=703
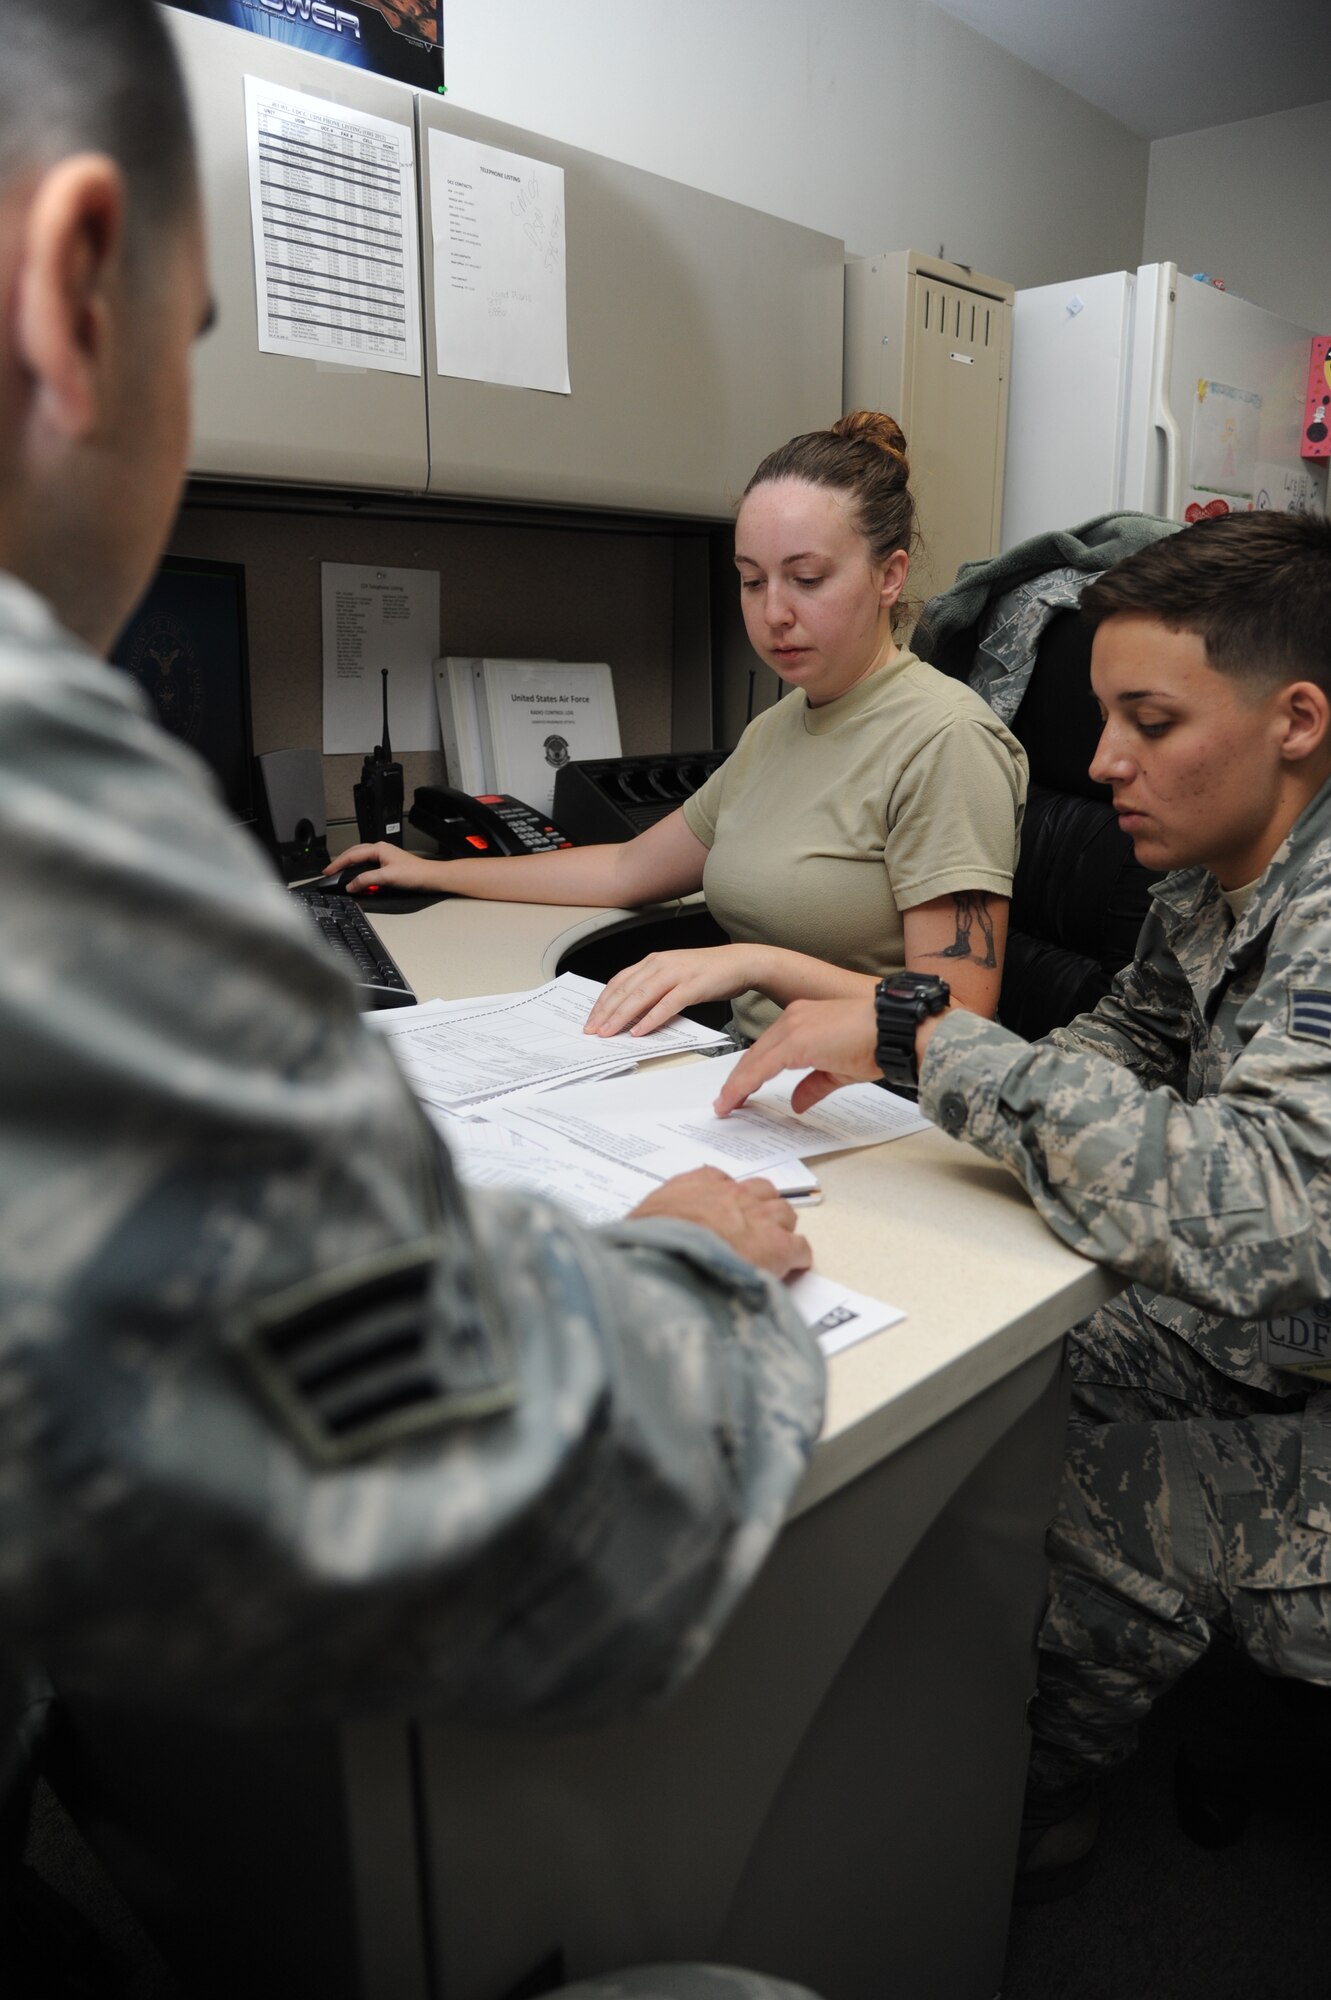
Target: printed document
x=333, y=211
x=663, y=1124
x=375, y=618
x=500, y=301
x=493, y=1150
x=457, y=1053
x=592, y=1189
x=595, y=1191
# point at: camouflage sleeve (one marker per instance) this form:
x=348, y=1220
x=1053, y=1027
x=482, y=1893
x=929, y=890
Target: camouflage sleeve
x=289, y=1423
x=1224, y=1203
x=1144, y=1021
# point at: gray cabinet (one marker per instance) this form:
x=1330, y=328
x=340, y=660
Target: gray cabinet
x=701, y=333
x=272, y=416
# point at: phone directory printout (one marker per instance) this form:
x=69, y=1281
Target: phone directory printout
x=372, y=618
x=333, y=213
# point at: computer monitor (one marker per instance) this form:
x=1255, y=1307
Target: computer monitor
x=186, y=644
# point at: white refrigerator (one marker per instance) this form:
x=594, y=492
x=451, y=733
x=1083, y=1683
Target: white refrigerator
x=1147, y=390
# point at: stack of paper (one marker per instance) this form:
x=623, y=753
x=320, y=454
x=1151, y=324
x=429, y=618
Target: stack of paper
x=526, y=1099
x=510, y=725
x=460, y=1053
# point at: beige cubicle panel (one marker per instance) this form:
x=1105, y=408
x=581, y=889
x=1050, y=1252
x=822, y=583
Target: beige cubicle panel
x=700, y=334
x=930, y=342
x=270, y=416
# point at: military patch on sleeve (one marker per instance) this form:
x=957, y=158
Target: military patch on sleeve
x=1310, y=1013
x=354, y=1361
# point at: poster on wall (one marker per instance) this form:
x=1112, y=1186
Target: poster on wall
x=403, y=39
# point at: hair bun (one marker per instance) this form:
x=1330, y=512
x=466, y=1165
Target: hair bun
x=875, y=427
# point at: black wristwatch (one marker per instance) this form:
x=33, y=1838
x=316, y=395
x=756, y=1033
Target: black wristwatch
x=901, y=1002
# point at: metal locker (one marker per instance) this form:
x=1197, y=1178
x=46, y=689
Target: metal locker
x=929, y=341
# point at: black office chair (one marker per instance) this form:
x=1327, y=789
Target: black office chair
x=1079, y=897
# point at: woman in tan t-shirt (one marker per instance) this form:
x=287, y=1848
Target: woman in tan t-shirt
x=867, y=824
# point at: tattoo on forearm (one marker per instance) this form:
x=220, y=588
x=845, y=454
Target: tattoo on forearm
x=975, y=931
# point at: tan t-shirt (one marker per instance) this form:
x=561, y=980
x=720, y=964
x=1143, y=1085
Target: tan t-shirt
x=825, y=823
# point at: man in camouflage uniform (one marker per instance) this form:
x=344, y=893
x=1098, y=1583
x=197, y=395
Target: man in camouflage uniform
x=289, y=1423
x=1181, y=1133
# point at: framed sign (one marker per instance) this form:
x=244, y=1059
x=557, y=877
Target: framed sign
x=398, y=38
x=186, y=645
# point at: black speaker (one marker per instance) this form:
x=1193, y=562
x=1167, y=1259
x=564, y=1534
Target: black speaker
x=293, y=817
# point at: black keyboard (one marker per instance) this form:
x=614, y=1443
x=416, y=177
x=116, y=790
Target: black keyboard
x=349, y=935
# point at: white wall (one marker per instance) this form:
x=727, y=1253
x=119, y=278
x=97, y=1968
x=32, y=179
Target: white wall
x=883, y=122
x=1247, y=203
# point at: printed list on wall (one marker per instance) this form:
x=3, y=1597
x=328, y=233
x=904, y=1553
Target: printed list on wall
x=500, y=291
x=333, y=208
x=373, y=619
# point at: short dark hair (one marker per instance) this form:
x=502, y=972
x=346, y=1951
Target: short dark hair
x=1256, y=588
x=97, y=76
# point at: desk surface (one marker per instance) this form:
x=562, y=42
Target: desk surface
x=926, y=1222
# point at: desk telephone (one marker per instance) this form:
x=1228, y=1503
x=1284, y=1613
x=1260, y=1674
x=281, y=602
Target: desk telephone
x=606, y=798
x=492, y=823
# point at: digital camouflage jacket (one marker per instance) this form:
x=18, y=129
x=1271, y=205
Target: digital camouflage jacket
x=1181, y=1132
x=287, y=1419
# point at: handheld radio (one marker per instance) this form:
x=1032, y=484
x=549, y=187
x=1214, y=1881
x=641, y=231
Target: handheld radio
x=378, y=796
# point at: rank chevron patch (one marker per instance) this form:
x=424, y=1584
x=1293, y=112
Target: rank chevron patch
x=1310, y=1013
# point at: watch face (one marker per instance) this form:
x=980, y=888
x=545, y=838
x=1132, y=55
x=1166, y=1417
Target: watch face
x=901, y=1003
x=914, y=985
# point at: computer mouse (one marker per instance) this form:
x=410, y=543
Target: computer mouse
x=374, y=896
x=334, y=885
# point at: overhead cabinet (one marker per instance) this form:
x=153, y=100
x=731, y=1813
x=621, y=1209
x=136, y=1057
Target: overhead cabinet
x=275, y=416
x=700, y=332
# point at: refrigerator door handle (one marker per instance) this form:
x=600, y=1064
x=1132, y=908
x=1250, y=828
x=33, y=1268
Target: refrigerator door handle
x=1164, y=424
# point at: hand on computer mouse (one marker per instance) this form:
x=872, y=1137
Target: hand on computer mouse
x=379, y=863
x=382, y=877
x=338, y=881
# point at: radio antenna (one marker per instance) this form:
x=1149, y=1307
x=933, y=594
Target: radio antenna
x=388, y=748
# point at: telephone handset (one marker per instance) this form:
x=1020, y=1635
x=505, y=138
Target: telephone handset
x=489, y=823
